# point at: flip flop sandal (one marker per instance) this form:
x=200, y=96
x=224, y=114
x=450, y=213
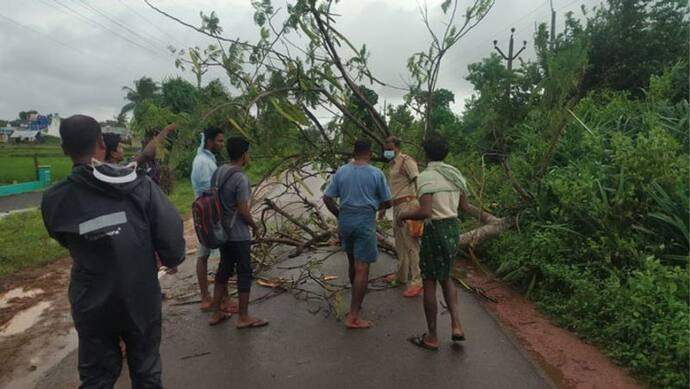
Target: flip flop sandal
x=457, y=338
x=419, y=342
x=254, y=324
x=367, y=324
x=222, y=319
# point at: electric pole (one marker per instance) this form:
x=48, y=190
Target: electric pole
x=553, y=27
x=510, y=57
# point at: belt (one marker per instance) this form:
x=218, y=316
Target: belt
x=402, y=200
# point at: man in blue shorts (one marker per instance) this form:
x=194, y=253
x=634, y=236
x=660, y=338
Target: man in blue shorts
x=362, y=189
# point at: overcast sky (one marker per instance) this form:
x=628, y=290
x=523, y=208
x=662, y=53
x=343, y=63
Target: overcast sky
x=74, y=56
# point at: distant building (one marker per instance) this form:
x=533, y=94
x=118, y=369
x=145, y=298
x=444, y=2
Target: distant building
x=25, y=136
x=54, y=126
x=5, y=133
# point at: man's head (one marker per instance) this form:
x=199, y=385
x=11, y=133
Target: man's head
x=214, y=139
x=114, y=152
x=82, y=139
x=238, y=150
x=435, y=147
x=362, y=149
x=391, y=148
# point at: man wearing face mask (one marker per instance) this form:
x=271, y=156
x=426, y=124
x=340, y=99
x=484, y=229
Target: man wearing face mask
x=402, y=177
x=113, y=220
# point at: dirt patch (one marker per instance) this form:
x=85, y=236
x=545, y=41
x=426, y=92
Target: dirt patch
x=567, y=360
x=34, y=318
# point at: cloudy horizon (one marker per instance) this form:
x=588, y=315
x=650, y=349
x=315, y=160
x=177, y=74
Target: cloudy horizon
x=74, y=56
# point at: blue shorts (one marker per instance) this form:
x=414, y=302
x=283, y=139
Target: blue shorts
x=358, y=234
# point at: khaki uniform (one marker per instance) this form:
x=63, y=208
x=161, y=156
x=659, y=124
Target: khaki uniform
x=403, y=171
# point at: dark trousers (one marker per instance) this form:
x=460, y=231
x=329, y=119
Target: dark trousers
x=236, y=255
x=100, y=358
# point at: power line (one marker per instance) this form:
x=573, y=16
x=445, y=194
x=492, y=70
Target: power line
x=118, y=23
x=150, y=22
x=98, y=25
x=52, y=38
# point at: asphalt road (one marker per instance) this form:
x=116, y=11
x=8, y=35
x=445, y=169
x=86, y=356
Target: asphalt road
x=300, y=349
x=20, y=201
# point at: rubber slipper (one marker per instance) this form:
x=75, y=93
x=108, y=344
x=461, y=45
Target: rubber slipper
x=255, y=324
x=222, y=319
x=457, y=338
x=360, y=325
x=413, y=291
x=419, y=342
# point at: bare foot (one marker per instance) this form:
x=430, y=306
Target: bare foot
x=355, y=323
x=217, y=318
x=206, y=304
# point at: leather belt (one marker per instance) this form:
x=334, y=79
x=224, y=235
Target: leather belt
x=402, y=200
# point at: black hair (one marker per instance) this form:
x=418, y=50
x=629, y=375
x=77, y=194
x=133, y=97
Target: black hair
x=210, y=133
x=362, y=146
x=435, y=147
x=394, y=139
x=236, y=147
x=111, y=141
x=79, y=134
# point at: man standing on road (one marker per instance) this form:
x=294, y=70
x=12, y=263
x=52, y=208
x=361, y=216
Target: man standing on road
x=203, y=167
x=403, y=181
x=441, y=191
x=362, y=190
x=113, y=220
x=235, y=255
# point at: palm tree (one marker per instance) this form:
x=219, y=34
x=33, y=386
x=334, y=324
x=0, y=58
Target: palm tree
x=144, y=88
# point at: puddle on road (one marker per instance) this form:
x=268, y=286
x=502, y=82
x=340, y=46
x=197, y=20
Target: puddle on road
x=24, y=319
x=17, y=293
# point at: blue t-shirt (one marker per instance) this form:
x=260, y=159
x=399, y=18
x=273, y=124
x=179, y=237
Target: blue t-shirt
x=360, y=187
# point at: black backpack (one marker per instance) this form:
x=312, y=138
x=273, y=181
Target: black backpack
x=207, y=212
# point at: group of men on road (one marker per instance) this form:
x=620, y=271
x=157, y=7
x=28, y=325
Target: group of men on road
x=119, y=228
x=433, y=196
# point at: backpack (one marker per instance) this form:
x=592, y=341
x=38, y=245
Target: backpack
x=207, y=212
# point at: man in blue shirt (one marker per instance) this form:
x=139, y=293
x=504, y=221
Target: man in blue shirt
x=203, y=167
x=362, y=189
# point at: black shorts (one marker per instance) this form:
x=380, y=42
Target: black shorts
x=236, y=257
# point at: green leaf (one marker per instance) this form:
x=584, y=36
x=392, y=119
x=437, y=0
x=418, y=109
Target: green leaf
x=241, y=130
x=445, y=5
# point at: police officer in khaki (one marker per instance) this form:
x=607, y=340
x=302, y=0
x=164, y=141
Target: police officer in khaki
x=402, y=179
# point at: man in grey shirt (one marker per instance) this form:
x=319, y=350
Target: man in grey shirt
x=235, y=255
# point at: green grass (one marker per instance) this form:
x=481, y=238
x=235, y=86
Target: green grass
x=182, y=197
x=24, y=241
x=17, y=162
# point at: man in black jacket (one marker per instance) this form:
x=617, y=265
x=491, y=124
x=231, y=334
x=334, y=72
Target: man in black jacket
x=113, y=221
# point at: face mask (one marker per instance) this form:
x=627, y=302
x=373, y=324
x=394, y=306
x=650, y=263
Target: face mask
x=112, y=173
x=388, y=154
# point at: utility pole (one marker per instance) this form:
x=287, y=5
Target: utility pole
x=510, y=57
x=553, y=27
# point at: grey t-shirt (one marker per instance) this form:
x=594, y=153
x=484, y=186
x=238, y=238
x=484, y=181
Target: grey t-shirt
x=235, y=190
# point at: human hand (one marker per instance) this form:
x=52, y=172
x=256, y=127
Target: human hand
x=400, y=221
x=171, y=270
x=170, y=128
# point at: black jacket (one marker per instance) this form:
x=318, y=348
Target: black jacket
x=113, y=231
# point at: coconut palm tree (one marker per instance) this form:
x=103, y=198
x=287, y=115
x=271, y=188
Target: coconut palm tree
x=144, y=88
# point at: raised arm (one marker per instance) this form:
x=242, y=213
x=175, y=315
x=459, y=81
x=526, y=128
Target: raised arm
x=149, y=152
